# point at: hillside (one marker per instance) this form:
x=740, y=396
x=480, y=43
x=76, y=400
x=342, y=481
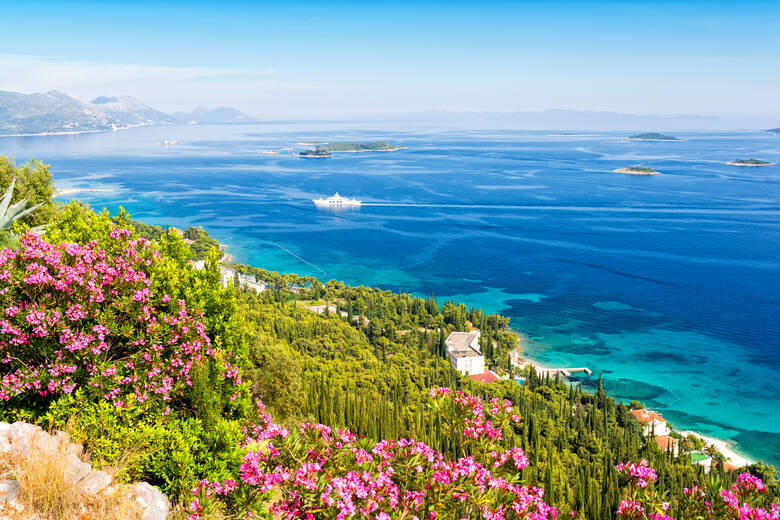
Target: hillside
x=128, y=111
x=219, y=115
x=238, y=404
x=57, y=112
x=49, y=113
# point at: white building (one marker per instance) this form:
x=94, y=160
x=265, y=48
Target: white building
x=464, y=354
x=652, y=422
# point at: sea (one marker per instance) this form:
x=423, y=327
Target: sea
x=668, y=285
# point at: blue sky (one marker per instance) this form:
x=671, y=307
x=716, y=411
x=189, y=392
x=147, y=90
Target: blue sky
x=333, y=59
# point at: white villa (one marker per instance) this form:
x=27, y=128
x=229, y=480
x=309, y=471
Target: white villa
x=652, y=422
x=464, y=354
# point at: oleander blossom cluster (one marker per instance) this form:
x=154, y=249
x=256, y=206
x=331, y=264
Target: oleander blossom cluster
x=317, y=472
x=642, y=502
x=80, y=316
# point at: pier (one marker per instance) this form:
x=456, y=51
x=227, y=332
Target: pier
x=566, y=372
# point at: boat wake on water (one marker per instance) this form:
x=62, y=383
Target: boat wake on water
x=614, y=209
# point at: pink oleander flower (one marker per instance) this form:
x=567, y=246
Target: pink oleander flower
x=90, y=316
x=630, y=509
x=325, y=473
x=748, y=483
x=641, y=473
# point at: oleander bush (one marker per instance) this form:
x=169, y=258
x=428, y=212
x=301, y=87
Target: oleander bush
x=743, y=500
x=316, y=472
x=103, y=331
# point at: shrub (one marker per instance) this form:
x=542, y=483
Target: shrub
x=742, y=501
x=317, y=472
x=79, y=316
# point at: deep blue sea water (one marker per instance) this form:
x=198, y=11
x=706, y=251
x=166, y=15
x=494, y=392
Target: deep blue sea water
x=668, y=285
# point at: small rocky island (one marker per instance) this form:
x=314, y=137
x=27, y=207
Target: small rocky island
x=653, y=136
x=328, y=149
x=636, y=170
x=749, y=162
x=773, y=130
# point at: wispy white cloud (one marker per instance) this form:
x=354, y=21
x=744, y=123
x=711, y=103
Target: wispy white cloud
x=164, y=87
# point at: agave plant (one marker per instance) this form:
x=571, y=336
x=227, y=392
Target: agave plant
x=10, y=213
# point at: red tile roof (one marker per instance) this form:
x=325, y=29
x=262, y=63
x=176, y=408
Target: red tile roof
x=646, y=416
x=665, y=442
x=487, y=377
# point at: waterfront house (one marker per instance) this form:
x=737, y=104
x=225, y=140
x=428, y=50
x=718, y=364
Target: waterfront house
x=667, y=444
x=461, y=340
x=652, y=422
x=486, y=377
x=463, y=352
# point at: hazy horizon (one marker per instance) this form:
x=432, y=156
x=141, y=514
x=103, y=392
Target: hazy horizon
x=346, y=60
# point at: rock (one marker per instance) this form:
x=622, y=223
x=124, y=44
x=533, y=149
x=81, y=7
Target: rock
x=21, y=436
x=45, y=444
x=76, y=470
x=151, y=500
x=94, y=482
x=9, y=491
x=5, y=437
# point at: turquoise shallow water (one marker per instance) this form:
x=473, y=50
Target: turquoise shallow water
x=668, y=285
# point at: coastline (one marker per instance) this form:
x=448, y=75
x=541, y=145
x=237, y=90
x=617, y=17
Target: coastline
x=75, y=132
x=520, y=361
x=727, y=448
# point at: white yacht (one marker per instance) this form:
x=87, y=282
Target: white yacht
x=336, y=200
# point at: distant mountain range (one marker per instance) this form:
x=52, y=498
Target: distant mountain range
x=57, y=112
x=214, y=115
x=583, y=120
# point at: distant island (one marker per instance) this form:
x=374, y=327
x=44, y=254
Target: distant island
x=372, y=146
x=749, y=162
x=773, y=130
x=636, y=170
x=327, y=150
x=58, y=113
x=653, y=136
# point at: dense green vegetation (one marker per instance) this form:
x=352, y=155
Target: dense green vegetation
x=653, y=136
x=346, y=146
x=367, y=366
x=201, y=241
x=327, y=150
x=750, y=162
x=372, y=378
x=34, y=183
